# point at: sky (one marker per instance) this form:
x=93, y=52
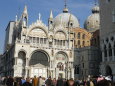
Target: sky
x=10, y=8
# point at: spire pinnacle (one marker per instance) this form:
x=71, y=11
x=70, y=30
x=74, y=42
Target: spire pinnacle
x=25, y=10
x=39, y=16
x=51, y=15
x=16, y=18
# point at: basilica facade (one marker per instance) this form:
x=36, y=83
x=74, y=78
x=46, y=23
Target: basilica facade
x=61, y=48
x=38, y=49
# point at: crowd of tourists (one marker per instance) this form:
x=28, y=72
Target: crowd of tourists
x=41, y=81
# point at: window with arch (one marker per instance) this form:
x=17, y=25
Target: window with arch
x=78, y=42
x=110, y=50
x=76, y=71
x=83, y=36
x=78, y=36
x=105, y=51
x=60, y=66
x=83, y=43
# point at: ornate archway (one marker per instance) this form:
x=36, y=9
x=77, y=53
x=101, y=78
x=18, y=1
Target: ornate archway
x=108, y=70
x=39, y=57
x=61, y=59
x=21, y=62
x=39, y=63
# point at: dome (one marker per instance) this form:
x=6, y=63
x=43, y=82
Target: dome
x=92, y=23
x=64, y=19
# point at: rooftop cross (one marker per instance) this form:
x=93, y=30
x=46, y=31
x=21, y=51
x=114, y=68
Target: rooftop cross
x=95, y=2
x=65, y=3
x=65, y=10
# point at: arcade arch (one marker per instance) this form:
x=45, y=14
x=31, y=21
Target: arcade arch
x=39, y=63
x=108, y=70
x=21, y=62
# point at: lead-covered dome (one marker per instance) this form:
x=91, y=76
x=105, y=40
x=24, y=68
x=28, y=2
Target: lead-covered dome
x=64, y=19
x=92, y=23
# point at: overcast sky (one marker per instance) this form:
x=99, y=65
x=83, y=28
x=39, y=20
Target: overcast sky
x=10, y=8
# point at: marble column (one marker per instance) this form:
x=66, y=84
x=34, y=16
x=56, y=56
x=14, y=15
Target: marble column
x=72, y=73
x=50, y=64
x=16, y=60
x=26, y=68
x=26, y=62
x=43, y=41
x=103, y=59
x=107, y=54
x=112, y=54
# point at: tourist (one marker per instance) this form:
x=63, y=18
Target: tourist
x=77, y=82
x=43, y=81
x=15, y=82
x=54, y=82
x=35, y=81
x=9, y=81
x=22, y=81
x=40, y=81
x=48, y=82
x=105, y=83
x=31, y=80
x=27, y=83
x=71, y=82
x=60, y=82
x=91, y=82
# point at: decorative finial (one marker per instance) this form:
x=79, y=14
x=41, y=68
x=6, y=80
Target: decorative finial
x=16, y=18
x=51, y=15
x=39, y=16
x=25, y=10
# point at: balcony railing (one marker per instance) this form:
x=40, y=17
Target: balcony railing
x=45, y=45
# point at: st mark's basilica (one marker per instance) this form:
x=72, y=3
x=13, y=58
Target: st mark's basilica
x=50, y=50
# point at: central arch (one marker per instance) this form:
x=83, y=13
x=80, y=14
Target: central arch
x=39, y=57
x=39, y=63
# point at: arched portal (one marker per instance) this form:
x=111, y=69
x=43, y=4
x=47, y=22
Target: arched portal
x=21, y=62
x=39, y=57
x=61, y=60
x=108, y=71
x=39, y=64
